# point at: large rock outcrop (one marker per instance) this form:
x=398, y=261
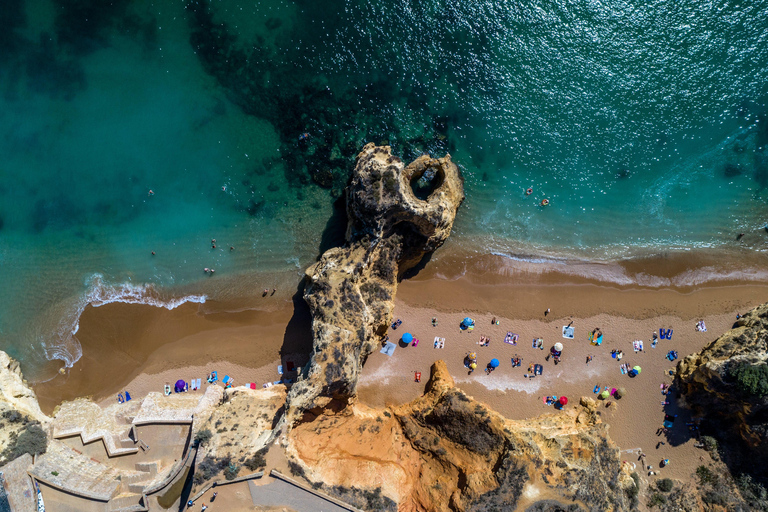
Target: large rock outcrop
x=727, y=381
x=447, y=452
x=350, y=291
x=18, y=404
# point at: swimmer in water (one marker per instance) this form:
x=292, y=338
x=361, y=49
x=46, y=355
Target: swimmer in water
x=529, y=191
x=150, y=193
x=544, y=202
x=224, y=188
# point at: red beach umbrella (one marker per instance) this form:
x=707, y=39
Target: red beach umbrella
x=563, y=400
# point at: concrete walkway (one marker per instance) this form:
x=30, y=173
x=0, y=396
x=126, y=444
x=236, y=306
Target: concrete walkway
x=282, y=494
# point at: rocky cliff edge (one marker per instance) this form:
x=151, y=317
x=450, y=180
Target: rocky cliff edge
x=447, y=452
x=727, y=381
x=350, y=290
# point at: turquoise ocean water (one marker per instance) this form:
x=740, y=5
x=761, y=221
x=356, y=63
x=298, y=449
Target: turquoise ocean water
x=644, y=123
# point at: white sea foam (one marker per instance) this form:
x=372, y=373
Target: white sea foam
x=64, y=346
x=499, y=383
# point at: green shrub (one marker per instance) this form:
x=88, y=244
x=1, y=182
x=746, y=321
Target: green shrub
x=710, y=443
x=203, y=436
x=296, y=469
x=632, y=492
x=705, y=475
x=31, y=440
x=751, y=490
x=657, y=499
x=665, y=485
x=230, y=472
x=257, y=461
x=751, y=379
x=209, y=467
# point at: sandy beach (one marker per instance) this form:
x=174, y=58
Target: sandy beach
x=140, y=348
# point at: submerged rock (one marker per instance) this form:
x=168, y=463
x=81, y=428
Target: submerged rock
x=351, y=290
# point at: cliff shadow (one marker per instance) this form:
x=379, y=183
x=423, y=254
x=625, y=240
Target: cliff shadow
x=684, y=426
x=297, y=340
x=414, y=271
x=335, y=231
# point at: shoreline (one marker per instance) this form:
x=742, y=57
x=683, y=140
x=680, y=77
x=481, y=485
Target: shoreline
x=123, y=342
x=139, y=348
x=675, y=271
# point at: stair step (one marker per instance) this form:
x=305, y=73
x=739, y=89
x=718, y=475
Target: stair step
x=125, y=502
x=147, y=467
x=137, y=487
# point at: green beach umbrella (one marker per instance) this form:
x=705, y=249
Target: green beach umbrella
x=637, y=369
x=605, y=394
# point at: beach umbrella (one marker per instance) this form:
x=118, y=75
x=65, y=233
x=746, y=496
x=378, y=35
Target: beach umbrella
x=620, y=393
x=468, y=322
x=494, y=363
x=637, y=369
x=472, y=356
x=563, y=400
x=473, y=365
x=559, y=347
x=604, y=394
x=407, y=337
x=180, y=384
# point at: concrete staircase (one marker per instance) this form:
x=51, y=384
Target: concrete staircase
x=127, y=502
x=132, y=499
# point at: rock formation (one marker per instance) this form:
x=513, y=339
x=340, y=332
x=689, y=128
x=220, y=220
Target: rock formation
x=242, y=424
x=18, y=404
x=727, y=382
x=445, y=451
x=15, y=393
x=350, y=291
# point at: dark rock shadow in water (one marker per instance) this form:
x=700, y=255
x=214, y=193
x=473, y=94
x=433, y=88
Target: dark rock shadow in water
x=334, y=234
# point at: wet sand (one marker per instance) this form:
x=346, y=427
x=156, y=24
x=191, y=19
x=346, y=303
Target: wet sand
x=140, y=348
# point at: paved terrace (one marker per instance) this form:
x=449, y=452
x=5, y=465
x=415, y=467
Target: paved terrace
x=22, y=497
x=65, y=468
x=85, y=418
x=180, y=408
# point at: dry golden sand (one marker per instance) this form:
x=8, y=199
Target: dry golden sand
x=635, y=315
x=139, y=348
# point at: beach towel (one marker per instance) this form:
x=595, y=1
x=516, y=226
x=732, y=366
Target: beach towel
x=669, y=334
x=267, y=385
x=567, y=332
x=637, y=345
x=597, y=388
x=623, y=368
x=439, y=342
x=252, y=385
x=227, y=379
x=388, y=349
x=511, y=338
x=598, y=341
x=127, y=396
x=537, y=369
x=415, y=343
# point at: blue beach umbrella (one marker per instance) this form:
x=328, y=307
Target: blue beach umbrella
x=468, y=322
x=494, y=363
x=407, y=337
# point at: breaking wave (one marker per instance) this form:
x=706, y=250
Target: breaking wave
x=64, y=346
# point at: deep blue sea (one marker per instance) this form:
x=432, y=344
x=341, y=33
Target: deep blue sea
x=645, y=124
